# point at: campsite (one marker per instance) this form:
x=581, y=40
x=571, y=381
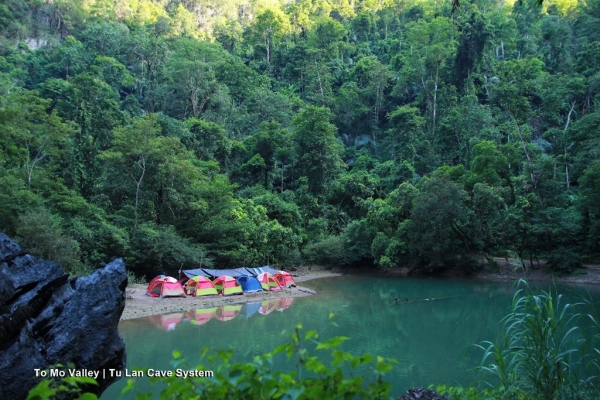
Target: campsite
x=173, y=156
x=139, y=304
x=204, y=282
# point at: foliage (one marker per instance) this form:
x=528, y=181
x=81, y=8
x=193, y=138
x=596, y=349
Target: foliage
x=314, y=378
x=243, y=133
x=328, y=251
x=544, y=351
x=564, y=261
x=66, y=387
x=41, y=233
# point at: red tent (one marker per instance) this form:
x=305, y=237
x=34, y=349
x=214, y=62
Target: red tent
x=165, y=286
x=284, y=279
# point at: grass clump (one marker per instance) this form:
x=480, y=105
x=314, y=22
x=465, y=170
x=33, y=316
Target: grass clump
x=548, y=350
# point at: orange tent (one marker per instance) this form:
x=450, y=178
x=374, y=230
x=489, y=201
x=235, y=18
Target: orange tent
x=227, y=285
x=200, y=286
x=165, y=286
x=284, y=279
x=268, y=282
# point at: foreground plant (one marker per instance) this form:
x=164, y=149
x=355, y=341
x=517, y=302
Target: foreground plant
x=544, y=352
x=313, y=379
x=67, y=387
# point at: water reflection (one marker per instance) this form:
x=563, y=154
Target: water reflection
x=166, y=322
x=200, y=316
x=249, y=309
x=224, y=313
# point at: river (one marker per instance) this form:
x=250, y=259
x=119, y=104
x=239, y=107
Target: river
x=430, y=331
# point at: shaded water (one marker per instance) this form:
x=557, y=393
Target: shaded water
x=431, y=339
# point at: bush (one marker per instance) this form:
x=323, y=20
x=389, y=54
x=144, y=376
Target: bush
x=564, y=261
x=329, y=251
x=40, y=233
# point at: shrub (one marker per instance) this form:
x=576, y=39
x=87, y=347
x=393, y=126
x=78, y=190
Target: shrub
x=314, y=379
x=543, y=353
x=564, y=261
x=40, y=233
x=329, y=251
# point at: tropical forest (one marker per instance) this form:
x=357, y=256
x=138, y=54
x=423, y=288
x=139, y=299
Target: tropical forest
x=348, y=133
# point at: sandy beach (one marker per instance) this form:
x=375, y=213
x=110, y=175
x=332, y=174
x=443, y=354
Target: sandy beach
x=138, y=305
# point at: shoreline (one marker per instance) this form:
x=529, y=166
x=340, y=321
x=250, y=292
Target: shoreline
x=506, y=271
x=138, y=305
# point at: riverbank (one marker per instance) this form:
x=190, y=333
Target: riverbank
x=507, y=270
x=138, y=305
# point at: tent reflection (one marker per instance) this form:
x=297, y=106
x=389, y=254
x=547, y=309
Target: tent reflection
x=284, y=303
x=249, y=309
x=200, y=316
x=227, y=313
x=166, y=322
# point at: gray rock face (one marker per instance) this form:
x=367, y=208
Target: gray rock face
x=47, y=318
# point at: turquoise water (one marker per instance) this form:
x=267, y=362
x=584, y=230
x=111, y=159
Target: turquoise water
x=432, y=340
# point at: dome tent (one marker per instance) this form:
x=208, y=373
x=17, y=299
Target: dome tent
x=249, y=284
x=268, y=282
x=200, y=286
x=284, y=279
x=227, y=285
x=165, y=286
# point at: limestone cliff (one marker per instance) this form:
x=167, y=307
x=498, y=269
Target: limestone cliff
x=47, y=318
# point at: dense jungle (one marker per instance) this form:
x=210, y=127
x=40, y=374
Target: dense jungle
x=375, y=133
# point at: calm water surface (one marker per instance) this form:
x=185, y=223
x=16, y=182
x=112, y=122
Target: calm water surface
x=432, y=340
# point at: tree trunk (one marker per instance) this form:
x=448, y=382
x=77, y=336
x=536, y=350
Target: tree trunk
x=565, y=144
x=138, y=184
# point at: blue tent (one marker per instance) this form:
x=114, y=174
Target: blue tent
x=249, y=284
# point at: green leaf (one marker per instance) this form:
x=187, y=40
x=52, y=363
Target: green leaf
x=41, y=391
x=88, y=396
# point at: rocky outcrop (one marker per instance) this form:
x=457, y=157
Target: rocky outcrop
x=47, y=318
x=420, y=393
